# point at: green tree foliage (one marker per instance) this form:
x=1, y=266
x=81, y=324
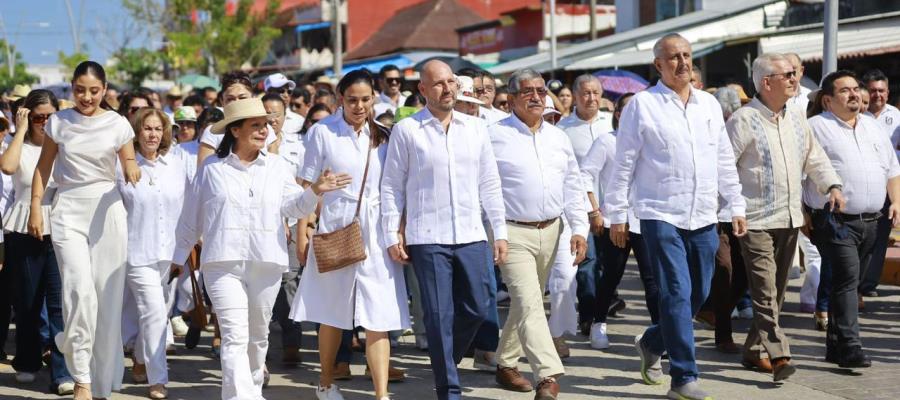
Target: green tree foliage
x=70, y=61
x=18, y=76
x=207, y=35
x=133, y=66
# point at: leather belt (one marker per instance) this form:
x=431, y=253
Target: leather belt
x=538, y=224
x=865, y=217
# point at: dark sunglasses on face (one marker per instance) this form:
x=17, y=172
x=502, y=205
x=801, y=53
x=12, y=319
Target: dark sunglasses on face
x=39, y=118
x=393, y=81
x=787, y=75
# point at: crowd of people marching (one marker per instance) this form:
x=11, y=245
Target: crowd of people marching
x=132, y=218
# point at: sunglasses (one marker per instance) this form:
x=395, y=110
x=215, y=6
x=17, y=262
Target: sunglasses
x=393, y=81
x=787, y=75
x=39, y=118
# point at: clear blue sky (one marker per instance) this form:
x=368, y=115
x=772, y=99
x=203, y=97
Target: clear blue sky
x=39, y=29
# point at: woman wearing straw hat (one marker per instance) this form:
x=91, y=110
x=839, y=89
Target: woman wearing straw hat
x=88, y=222
x=371, y=293
x=238, y=203
x=154, y=206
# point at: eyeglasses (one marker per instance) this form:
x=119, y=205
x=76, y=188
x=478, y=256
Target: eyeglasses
x=539, y=91
x=38, y=118
x=393, y=81
x=787, y=75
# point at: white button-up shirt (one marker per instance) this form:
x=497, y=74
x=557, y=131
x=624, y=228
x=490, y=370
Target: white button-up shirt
x=383, y=104
x=154, y=207
x=538, y=174
x=442, y=180
x=239, y=210
x=293, y=122
x=293, y=149
x=583, y=133
x=889, y=120
x=677, y=156
x=491, y=115
x=863, y=158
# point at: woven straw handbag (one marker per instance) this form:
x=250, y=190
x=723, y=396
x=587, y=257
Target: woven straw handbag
x=343, y=247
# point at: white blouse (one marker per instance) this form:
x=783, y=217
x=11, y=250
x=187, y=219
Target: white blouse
x=154, y=206
x=16, y=218
x=88, y=147
x=239, y=210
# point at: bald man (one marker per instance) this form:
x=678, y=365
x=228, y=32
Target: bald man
x=440, y=173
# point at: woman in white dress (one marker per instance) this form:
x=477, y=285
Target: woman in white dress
x=89, y=228
x=154, y=207
x=237, y=204
x=32, y=261
x=372, y=293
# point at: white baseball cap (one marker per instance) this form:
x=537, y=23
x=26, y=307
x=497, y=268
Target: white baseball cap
x=466, y=89
x=548, y=106
x=278, y=80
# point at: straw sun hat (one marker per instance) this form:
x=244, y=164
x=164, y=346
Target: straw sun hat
x=239, y=110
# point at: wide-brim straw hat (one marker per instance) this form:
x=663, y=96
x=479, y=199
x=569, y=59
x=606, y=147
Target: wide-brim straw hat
x=239, y=110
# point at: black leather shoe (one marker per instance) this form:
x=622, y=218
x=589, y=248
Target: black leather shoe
x=854, y=357
x=831, y=354
x=192, y=338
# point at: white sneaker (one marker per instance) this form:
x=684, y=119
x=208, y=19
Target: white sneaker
x=331, y=393
x=485, y=361
x=24, y=377
x=179, y=328
x=65, y=388
x=599, y=340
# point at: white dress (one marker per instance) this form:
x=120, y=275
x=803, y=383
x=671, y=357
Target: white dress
x=372, y=293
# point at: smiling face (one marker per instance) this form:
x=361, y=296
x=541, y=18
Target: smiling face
x=88, y=92
x=250, y=134
x=674, y=62
x=150, y=135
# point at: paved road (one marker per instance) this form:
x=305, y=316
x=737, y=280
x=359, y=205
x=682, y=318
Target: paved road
x=591, y=374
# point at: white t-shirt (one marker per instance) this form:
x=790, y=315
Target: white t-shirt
x=211, y=139
x=88, y=147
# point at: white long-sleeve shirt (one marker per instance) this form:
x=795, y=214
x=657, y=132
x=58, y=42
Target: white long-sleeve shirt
x=154, y=207
x=862, y=156
x=239, y=210
x=442, y=181
x=539, y=174
x=678, y=159
x=583, y=133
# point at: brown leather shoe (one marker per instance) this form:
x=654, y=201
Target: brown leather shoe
x=548, y=389
x=394, y=374
x=728, y=348
x=782, y=368
x=511, y=379
x=290, y=356
x=341, y=372
x=139, y=373
x=562, y=348
x=757, y=364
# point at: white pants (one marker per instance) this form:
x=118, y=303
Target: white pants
x=813, y=262
x=243, y=294
x=563, y=287
x=131, y=324
x=149, y=285
x=90, y=239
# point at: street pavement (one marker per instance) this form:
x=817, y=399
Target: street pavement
x=590, y=374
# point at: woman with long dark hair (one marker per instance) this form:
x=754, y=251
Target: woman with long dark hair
x=238, y=204
x=89, y=228
x=33, y=263
x=369, y=294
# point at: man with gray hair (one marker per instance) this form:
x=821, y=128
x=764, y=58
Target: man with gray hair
x=774, y=147
x=800, y=98
x=527, y=150
x=583, y=127
x=673, y=161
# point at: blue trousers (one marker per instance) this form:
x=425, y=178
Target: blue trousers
x=587, y=278
x=455, y=282
x=488, y=336
x=36, y=280
x=683, y=264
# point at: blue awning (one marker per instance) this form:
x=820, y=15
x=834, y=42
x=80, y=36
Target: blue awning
x=309, y=27
x=401, y=60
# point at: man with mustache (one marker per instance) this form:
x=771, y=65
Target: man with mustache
x=774, y=148
x=674, y=160
x=864, y=159
x=440, y=173
x=541, y=181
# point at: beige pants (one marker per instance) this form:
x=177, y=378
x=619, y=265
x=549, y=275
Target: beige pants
x=529, y=260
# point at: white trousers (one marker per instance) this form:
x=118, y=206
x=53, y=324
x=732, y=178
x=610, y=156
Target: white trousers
x=243, y=294
x=813, y=262
x=563, y=287
x=131, y=316
x=149, y=286
x=90, y=239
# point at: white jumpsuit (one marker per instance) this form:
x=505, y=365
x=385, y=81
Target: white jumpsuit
x=372, y=293
x=90, y=238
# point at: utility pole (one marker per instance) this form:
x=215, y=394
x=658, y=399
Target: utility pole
x=552, y=39
x=73, y=26
x=338, y=41
x=593, y=28
x=829, y=47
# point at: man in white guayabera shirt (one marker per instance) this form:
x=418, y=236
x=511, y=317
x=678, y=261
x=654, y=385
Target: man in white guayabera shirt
x=673, y=147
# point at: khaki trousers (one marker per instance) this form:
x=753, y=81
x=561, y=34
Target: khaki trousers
x=768, y=256
x=529, y=260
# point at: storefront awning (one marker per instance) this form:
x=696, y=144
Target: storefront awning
x=631, y=57
x=860, y=39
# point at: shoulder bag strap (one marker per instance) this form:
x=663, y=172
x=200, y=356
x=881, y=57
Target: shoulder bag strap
x=362, y=187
